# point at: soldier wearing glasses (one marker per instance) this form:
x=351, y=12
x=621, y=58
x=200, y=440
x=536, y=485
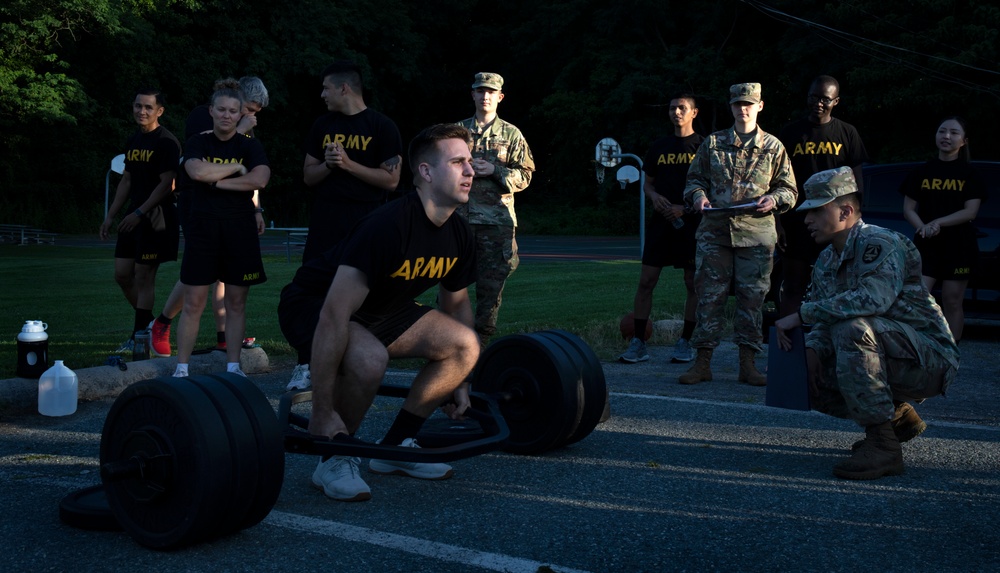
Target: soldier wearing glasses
x=814, y=143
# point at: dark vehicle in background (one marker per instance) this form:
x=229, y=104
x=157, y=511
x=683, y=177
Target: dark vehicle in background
x=882, y=205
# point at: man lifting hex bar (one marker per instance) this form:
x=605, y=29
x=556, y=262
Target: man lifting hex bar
x=355, y=308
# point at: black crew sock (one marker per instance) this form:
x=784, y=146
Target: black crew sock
x=348, y=438
x=142, y=319
x=406, y=425
x=220, y=336
x=688, y=329
x=162, y=319
x=640, y=328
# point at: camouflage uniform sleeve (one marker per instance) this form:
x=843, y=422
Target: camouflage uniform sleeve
x=782, y=186
x=819, y=340
x=699, y=173
x=877, y=281
x=515, y=175
x=818, y=337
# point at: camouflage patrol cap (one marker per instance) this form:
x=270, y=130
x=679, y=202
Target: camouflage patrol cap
x=744, y=92
x=826, y=186
x=488, y=80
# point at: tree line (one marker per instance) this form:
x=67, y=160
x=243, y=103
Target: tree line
x=576, y=71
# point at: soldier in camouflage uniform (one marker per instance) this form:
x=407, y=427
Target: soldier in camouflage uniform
x=739, y=179
x=503, y=166
x=878, y=338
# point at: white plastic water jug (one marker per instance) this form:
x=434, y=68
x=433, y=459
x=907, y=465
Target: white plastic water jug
x=57, y=391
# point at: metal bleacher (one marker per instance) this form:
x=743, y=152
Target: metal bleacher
x=25, y=235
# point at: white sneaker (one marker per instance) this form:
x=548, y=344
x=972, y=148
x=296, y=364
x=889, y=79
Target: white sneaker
x=126, y=347
x=236, y=370
x=181, y=371
x=301, y=378
x=682, y=351
x=340, y=479
x=636, y=352
x=412, y=469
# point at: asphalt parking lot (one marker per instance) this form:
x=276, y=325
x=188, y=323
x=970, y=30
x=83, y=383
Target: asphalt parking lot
x=699, y=478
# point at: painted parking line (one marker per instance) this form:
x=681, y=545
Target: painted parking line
x=315, y=526
x=763, y=408
x=423, y=547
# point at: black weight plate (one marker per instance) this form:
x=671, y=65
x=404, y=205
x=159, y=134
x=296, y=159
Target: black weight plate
x=88, y=508
x=243, y=448
x=595, y=385
x=569, y=359
x=541, y=407
x=440, y=432
x=178, y=499
x=269, y=440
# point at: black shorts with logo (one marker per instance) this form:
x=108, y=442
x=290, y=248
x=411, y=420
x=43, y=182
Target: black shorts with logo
x=226, y=250
x=948, y=258
x=149, y=247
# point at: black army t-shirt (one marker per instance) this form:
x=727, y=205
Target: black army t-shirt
x=147, y=156
x=212, y=202
x=814, y=147
x=941, y=188
x=667, y=162
x=369, y=138
x=402, y=254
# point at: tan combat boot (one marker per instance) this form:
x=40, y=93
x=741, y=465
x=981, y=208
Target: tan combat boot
x=748, y=368
x=702, y=369
x=879, y=455
x=906, y=424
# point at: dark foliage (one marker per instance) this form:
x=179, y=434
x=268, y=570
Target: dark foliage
x=575, y=70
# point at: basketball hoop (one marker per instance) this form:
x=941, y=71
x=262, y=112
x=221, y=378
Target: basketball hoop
x=609, y=154
x=604, y=152
x=627, y=174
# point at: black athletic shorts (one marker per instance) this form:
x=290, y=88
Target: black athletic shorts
x=226, y=250
x=799, y=244
x=946, y=259
x=149, y=247
x=666, y=245
x=298, y=315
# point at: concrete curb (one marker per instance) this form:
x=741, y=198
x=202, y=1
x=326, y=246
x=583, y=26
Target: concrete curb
x=20, y=395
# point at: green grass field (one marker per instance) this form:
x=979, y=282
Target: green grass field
x=73, y=290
